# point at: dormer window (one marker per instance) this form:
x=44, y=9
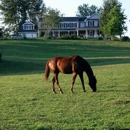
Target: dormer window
x=28, y=26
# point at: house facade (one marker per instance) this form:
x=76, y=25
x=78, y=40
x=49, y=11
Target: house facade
x=80, y=26
x=28, y=29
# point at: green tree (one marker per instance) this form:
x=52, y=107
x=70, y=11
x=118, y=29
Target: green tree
x=84, y=10
x=35, y=7
x=116, y=24
x=112, y=18
x=51, y=19
x=14, y=11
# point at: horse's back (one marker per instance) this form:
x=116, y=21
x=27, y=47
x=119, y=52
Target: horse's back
x=66, y=65
x=61, y=64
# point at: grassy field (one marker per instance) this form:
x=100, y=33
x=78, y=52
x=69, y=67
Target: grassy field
x=27, y=102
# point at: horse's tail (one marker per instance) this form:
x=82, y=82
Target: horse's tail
x=47, y=72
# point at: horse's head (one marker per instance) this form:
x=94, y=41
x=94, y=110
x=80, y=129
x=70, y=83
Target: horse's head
x=92, y=83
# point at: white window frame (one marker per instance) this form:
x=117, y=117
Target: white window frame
x=28, y=27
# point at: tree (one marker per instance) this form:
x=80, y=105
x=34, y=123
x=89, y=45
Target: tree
x=116, y=24
x=51, y=19
x=84, y=10
x=112, y=18
x=35, y=7
x=14, y=11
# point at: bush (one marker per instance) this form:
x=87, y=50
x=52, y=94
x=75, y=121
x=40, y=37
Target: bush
x=124, y=38
x=65, y=37
x=48, y=37
x=70, y=37
x=129, y=40
x=100, y=38
x=115, y=39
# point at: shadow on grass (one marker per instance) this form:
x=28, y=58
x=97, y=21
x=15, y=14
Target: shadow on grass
x=30, y=56
x=17, y=67
x=20, y=67
x=108, y=61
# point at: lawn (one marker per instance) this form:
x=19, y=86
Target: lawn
x=27, y=102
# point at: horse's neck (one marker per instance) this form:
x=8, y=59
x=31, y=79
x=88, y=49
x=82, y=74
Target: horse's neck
x=89, y=71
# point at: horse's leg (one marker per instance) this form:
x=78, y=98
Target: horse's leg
x=73, y=81
x=82, y=81
x=57, y=82
x=53, y=84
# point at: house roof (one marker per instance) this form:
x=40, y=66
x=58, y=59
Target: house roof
x=65, y=19
x=95, y=16
x=28, y=23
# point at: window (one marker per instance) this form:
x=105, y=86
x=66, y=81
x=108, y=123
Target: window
x=82, y=24
x=62, y=25
x=74, y=25
x=90, y=23
x=69, y=25
x=28, y=27
x=96, y=23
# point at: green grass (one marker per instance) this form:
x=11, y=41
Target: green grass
x=27, y=102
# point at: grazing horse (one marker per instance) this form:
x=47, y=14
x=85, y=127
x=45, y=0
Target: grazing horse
x=74, y=65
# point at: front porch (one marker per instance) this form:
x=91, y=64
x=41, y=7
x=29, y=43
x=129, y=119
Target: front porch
x=81, y=33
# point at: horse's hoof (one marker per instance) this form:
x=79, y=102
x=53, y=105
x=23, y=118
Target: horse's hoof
x=72, y=92
x=61, y=92
x=54, y=92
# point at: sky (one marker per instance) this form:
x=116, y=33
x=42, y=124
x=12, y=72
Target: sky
x=69, y=7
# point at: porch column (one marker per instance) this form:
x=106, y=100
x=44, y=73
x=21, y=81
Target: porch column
x=77, y=32
x=58, y=33
x=95, y=33
x=68, y=32
x=86, y=33
x=53, y=34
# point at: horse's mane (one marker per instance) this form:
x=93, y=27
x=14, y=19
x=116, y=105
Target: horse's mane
x=87, y=68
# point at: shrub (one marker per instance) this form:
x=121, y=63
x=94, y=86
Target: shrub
x=115, y=39
x=65, y=37
x=74, y=37
x=70, y=37
x=124, y=38
x=129, y=40
x=47, y=37
x=100, y=38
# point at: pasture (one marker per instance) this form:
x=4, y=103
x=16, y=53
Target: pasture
x=28, y=103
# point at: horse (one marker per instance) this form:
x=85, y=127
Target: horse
x=74, y=65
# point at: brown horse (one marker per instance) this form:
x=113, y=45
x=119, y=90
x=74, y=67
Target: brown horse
x=73, y=65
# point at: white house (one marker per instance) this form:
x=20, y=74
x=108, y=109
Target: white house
x=80, y=26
